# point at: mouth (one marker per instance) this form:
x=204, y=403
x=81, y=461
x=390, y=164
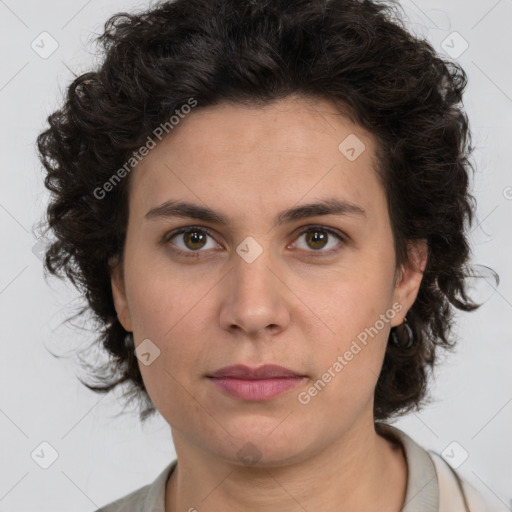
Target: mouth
x=255, y=384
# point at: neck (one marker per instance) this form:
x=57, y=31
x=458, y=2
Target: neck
x=362, y=471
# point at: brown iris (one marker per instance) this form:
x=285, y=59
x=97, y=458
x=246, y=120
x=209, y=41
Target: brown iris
x=315, y=237
x=197, y=239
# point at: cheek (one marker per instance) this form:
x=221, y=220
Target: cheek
x=171, y=377
x=348, y=370
x=356, y=305
x=351, y=300
x=159, y=296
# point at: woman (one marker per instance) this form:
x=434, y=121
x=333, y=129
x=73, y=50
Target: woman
x=265, y=204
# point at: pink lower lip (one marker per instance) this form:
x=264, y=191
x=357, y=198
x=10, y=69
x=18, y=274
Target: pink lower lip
x=256, y=389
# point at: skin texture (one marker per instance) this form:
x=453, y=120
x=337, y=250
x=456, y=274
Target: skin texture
x=291, y=306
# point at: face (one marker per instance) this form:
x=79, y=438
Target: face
x=252, y=285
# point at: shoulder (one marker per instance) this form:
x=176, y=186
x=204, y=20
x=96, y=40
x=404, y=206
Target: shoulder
x=149, y=498
x=433, y=485
x=455, y=493
x=133, y=501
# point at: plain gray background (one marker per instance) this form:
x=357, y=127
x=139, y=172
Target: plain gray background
x=101, y=457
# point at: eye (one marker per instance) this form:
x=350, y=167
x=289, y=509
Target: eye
x=192, y=239
x=318, y=238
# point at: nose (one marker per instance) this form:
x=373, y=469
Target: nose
x=255, y=297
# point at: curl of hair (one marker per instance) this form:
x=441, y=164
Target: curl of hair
x=357, y=54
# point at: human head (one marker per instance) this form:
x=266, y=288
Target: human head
x=355, y=54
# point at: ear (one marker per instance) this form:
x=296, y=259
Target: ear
x=119, y=294
x=409, y=278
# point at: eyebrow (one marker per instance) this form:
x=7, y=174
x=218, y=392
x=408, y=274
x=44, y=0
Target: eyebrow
x=332, y=206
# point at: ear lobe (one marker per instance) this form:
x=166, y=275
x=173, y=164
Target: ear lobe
x=410, y=277
x=119, y=295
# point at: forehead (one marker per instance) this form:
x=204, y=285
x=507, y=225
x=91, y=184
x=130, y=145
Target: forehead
x=230, y=154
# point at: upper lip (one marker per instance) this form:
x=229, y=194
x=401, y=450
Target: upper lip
x=266, y=371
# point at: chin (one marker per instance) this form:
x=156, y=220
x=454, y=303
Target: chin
x=266, y=443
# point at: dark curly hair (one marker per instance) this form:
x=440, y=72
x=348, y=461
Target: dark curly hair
x=357, y=54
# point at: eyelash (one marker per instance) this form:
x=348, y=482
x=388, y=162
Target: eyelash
x=196, y=254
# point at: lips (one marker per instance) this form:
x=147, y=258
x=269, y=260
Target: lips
x=255, y=384
x=267, y=371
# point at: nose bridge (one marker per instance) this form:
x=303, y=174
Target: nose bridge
x=254, y=296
